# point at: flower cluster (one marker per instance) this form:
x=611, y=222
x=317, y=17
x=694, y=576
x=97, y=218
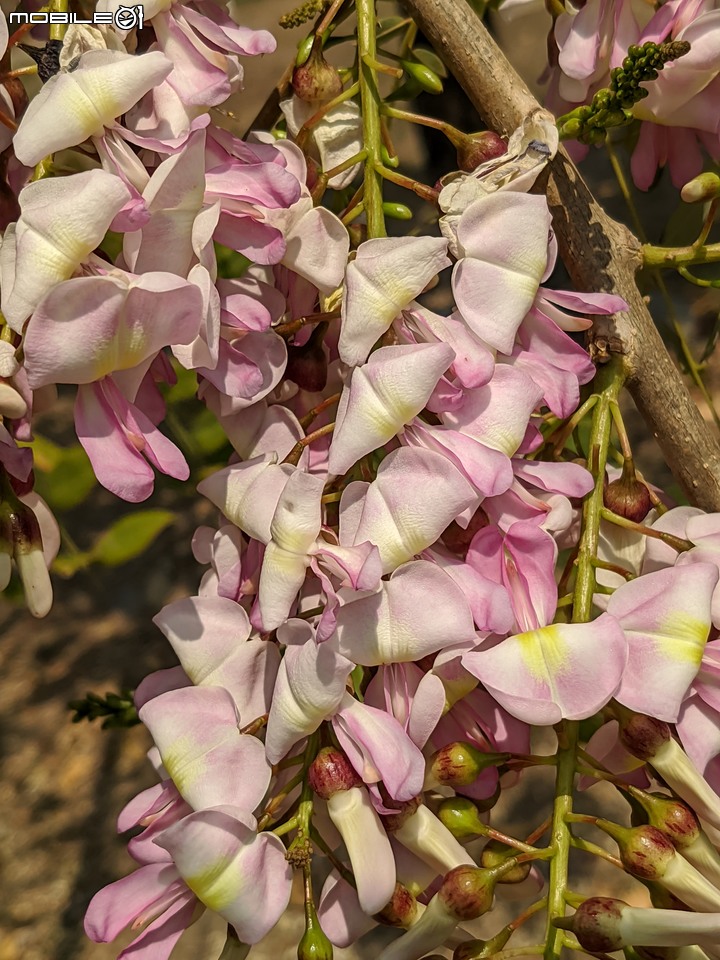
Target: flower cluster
x=680, y=107
x=380, y=625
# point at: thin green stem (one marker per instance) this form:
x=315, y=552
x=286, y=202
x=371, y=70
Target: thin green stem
x=370, y=103
x=673, y=257
x=677, y=543
x=608, y=382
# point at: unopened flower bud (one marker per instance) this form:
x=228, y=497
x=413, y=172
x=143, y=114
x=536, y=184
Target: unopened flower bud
x=644, y=851
x=316, y=79
x=604, y=925
x=702, y=188
x=650, y=740
x=483, y=949
x=627, y=496
x=648, y=854
x=401, y=911
x=495, y=853
x=467, y=892
x=640, y=735
x=331, y=773
x=477, y=148
x=596, y=924
x=460, y=816
x=397, y=211
x=29, y=558
x=422, y=75
x=671, y=817
x=425, y=835
x=460, y=764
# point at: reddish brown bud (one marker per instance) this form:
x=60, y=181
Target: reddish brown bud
x=627, y=496
x=640, y=735
x=331, y=773
x=394, y=821
x=401, y=910
x=596, y=924
x=644, y=851
x=478, y=148
x=671, y=817
x=316, y=79
x=467, y=892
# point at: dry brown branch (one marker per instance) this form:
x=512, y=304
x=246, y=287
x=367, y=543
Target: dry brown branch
x=600, y=254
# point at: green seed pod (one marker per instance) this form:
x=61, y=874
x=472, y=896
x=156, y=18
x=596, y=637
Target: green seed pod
x=423, y=75
x=304, y=49
x=397, y=211
x=387, y=160
x=314, y=945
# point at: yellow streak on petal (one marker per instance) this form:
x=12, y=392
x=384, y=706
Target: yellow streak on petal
x=182, y=763
x=682, y=638
x=544, y=652
x=217, y=885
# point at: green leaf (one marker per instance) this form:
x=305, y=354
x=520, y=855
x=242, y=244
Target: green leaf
x=64, y=475
x=207, y=434
x=130, y=536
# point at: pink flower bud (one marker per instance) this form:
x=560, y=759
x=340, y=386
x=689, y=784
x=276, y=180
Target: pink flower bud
x=672, y=817
x=316, y=79
x=627, y=496
x=331, y=773
x=477, y=148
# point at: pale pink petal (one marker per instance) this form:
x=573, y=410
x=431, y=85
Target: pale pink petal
x=395, y=625
x=553, y=673
x=196, y=732
x=382, y=396
x=309, y=688
x=241, y=875
x=386, y=275
x=415, y=495
x=379, y=749
x=666, y=619
x=504, y=239
x=342, y=918
x=116, y=906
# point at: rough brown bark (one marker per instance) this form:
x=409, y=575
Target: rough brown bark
x=599, y=253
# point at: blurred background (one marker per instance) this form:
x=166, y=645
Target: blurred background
x=62, y=785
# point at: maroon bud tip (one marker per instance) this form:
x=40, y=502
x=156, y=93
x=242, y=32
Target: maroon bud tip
x=458, y=539
x=393, y=821
x=331, y=773
x=642, y=736
x=467, y=892
x=596, y=924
